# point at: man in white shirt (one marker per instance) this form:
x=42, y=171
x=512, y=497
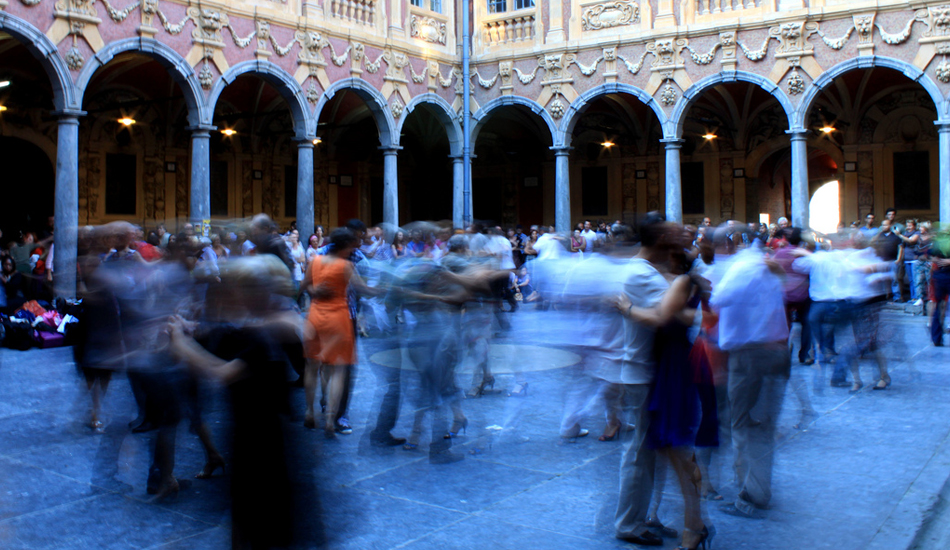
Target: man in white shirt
x=644, y=288
x=754, y=330
x=590, y=237
x=829, y=305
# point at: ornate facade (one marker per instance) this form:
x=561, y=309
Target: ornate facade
x=340, y=108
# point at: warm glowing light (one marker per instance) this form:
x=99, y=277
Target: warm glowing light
x=827, y=129
x=764, y=218
x=317, y=141
x=824, y=210
x=709, y=137
x=608, y=144
x=3, y=108
x=4, y=83
x=126, y=121
x=228, y=132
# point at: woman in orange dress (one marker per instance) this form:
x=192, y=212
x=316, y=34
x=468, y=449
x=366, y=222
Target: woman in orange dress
x=329, y=338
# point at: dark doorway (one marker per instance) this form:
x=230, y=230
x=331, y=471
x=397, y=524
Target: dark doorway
x=912, y=180
x=487, y=199
x=27, y=185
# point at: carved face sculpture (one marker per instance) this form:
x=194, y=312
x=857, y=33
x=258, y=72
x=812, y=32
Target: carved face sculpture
x=863, y=25
x=791, y=31
x=263, y=29
x=313, y=41
x=727, y=39
x=552, y=63
x=941, y=15
x=149, y=6
x=210, y=20
x=504, y=68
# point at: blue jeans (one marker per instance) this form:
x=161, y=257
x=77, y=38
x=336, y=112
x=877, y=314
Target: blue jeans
x=910, y=278
x=824, y=318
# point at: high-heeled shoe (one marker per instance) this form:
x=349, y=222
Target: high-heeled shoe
x=521, y=390
x=457, y=426
x=210, y=467
x=168, y=489
x=610, y=435
x=883, y=383
x=479, y=390
x=703, y=538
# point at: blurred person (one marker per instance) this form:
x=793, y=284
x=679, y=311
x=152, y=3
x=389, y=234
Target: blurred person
x=247, y=245
x=384, y=251
x=14, y=287
x=829, y=308
x=707, y=222
x=270, y=496
x=312, y=248
x=644, y=287
x=578, y=243
x=222, y=251
x=320, y=233
x=266, y=240
x=299, y=257
x=758, y=370
x=782, y=222
x=590, y=237
x=922, y=267
x=940, y=280
x=416, y=246
x=163, y=235
x=330, y=334
x=868, y=281
x=676, y=413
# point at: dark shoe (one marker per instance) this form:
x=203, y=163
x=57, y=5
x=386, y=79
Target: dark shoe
x=479, y=390
x=389, y=441
x=145, y=426
x=445, y=457
x=644, y=539
x=210, y=467
x=657, y=528
x=309, y=422
x=731, y=510
x=343, y=426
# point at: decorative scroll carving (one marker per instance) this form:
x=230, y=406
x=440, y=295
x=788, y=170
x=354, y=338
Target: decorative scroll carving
x=610, y=14
x=756, y=55
x=282, y=50
x=116, y=15
x=526, y=78
x=241, y=42
x=485, y=83
x=900, y=37
x=836, y=43
x=706, y=58
x=418, y=78
x=428, y=29
x=589, y=70
x=634, y=68
x=340, y=59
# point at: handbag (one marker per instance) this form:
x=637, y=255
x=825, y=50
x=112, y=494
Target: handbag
x=519, y=297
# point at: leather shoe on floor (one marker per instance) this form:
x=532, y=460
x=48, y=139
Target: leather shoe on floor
x=644, y=539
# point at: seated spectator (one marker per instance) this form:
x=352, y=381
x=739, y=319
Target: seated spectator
x=14, y=286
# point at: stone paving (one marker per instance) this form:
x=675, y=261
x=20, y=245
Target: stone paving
x=865, y=474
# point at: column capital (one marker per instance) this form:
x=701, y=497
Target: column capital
x=673, y=143
x=390, y=149
x=562, y=150
x=68, y=116
x=305, y=142
x=201, y=129
x=796, y=134
x=942, y=126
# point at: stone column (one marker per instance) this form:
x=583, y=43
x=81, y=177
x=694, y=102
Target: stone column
x=943, y=131
x=562, y=189
x=458, y=192
x=800, y=193
x=390, y=185
x=66, y=207
x=305, y=188
x=200, y=173
x=674, y=187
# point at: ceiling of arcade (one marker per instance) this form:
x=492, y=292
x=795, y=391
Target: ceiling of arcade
x=551, y=54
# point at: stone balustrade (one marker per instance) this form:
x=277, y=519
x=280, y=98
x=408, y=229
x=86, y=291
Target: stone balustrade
x=361, y=12
x=511, y=28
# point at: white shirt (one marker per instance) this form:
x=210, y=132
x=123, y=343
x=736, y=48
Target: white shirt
x=826, y=275
x=246, y=247
x=750, y=303
x=589, y=237
x=645, y=287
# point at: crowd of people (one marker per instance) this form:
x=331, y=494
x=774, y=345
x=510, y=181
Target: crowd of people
x=683, y=333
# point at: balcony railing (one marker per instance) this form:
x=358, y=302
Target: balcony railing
x=511, y=28
x=361, y=12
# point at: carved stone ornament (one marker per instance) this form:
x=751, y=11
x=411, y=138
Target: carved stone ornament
x=313, y=94
x=610, y=54
x=206, y=77
x=397, y=109
x=610, y=14
x=796, y=84
x=74, y=59
x=864, y=24
x=942, y=72
x=208, y=25
x=938, y=19
x=428, y=29
x=668, y=97
x=310, y=45
x=557, y=108
x=504, y=69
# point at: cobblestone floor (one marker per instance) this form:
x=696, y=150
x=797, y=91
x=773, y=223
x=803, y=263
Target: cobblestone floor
x=864, y=474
